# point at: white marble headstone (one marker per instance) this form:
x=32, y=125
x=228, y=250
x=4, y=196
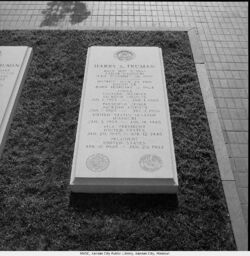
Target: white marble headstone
x=124, y=138
x=14, y=62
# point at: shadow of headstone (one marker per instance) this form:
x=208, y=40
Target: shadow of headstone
x=58, y=10
x=110, y=203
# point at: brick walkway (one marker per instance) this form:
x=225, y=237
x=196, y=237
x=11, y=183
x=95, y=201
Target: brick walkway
x=223, y=31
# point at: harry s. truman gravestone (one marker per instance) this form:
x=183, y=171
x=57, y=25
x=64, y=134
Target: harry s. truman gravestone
x=124, y=138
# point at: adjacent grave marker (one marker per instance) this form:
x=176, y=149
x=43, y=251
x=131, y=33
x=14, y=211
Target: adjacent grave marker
x=124, y=138
x=14, y=62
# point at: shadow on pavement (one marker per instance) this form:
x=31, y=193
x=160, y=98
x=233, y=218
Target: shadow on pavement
x=58, y=10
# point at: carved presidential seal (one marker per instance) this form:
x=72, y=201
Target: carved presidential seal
x=97, y=162
x=150, y=162
x=124, y=55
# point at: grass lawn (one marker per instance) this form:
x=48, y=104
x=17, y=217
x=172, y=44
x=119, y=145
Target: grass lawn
x=36, y=209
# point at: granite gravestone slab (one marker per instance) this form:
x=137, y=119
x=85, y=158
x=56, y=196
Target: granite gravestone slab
x=14, y=62
x=124, y=138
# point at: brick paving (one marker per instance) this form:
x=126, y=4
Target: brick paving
x=223, y=31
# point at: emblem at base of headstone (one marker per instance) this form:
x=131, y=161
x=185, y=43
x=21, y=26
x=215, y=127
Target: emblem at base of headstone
x=97, y=162
x=124, y=55
x=150, y=162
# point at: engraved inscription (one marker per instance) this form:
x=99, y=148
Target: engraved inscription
x=124, y=112
x=7, y=71
x=150, y=162
x=97, y=162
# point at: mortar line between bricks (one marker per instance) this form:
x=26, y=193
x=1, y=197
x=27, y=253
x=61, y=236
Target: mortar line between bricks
x=230, y=98
x=238, y=143
x=230, y=108
x=242, y=119
x=226, y=130
x=232, y=157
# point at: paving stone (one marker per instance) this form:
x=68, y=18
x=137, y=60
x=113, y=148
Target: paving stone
x=245, y=212
x=236, y=114
x=238, y=137
x=242, y=180
x=235, y=125
x=238, y=150
x=241, y=164
x=243, y=195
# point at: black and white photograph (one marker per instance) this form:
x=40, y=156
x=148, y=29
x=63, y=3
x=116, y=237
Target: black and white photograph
x=123, y=127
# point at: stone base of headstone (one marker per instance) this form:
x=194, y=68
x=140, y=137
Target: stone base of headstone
x=123, y=185
x=124, y=140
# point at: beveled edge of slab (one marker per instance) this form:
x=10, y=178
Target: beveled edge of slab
x=73, y=167
x=166, y=99
x=7, y=120
x=126, y=189
x=124, y=185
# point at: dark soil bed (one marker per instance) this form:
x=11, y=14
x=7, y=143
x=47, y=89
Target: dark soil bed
x=36, y=210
